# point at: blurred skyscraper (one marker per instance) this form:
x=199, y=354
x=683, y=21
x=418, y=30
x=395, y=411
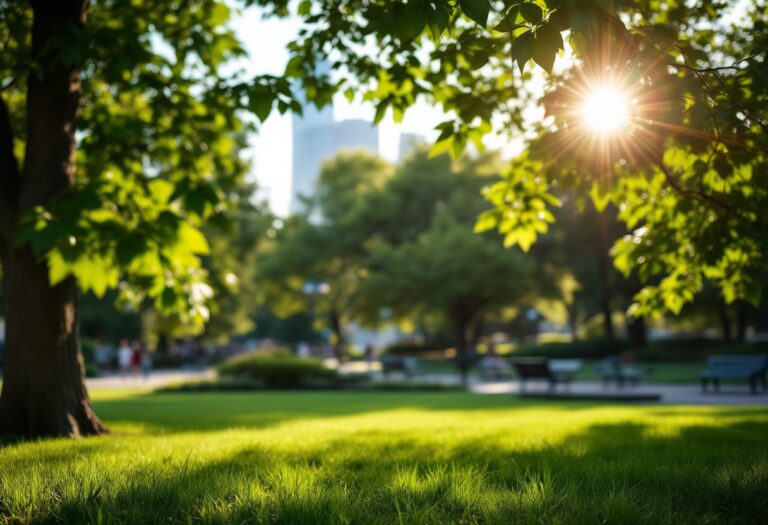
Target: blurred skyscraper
x=317, y=137
x=409, y=142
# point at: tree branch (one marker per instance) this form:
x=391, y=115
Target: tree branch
x=698, y=194
x=9, y=175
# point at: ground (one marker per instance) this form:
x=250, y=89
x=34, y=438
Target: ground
x=324, y=457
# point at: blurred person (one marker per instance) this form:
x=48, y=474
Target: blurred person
x=124, y=357
x=136, y=358
x=146, y=363
x=370, y=355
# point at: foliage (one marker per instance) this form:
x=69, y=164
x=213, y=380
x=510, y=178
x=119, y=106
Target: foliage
x=279, y=370
x=158, y=140
x=686, y=175
x=442, y=267
x=443, y=457
x=413, y=348
x=324, y=246
x=585, y=349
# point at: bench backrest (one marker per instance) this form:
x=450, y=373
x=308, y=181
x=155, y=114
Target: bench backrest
x=532, y=368
x=737, y=363
x=398, y=363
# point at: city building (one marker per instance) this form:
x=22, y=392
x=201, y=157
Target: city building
x=317, y=137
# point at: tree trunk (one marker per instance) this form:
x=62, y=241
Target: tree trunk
x=636, y=330
x=573, y=324
x=338, y=330
x=462, y=347
x=725, y=322
x=43, y=390
x=603, y=270
x=742, y=320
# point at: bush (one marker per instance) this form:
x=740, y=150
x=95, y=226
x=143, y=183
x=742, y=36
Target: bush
x=213, y=385
x=413, y=348
x=278, y=370
x=587, y=349
x=695, y=349
x=414, y=386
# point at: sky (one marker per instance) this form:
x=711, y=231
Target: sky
x=266, y=40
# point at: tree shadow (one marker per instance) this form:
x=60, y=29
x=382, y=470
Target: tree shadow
x=185, y=412
x=623, y=472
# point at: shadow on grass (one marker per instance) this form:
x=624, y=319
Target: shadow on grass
x=618, y=473
x=184, y=412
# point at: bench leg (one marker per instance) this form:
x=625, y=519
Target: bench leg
x=704, y=386
x=716, y=382
x=753, y=385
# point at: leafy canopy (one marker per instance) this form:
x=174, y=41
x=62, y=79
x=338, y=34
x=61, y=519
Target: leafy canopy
x=687, y=174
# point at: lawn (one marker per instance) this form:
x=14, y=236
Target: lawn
x=387, y=458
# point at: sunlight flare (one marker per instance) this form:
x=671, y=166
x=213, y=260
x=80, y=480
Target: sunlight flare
x=605, y=110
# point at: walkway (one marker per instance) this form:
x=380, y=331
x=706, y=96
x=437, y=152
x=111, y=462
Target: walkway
x=156, y=379
x=671, y=394
x=691, y=394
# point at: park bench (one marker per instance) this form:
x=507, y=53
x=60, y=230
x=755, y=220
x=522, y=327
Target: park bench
x=494, y=368
x=538, y=368
x=752, y=368
x=407, y=365
x=611, y=369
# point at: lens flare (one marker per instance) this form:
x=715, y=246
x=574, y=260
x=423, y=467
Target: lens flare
x=605, y=110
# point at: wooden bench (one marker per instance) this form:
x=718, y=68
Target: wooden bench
x=407, y=365
x=611, y=369
x=493, y=367
x=752, y=368
x=538, y=368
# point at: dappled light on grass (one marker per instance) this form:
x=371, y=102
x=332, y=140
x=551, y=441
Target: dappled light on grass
x=389, y=458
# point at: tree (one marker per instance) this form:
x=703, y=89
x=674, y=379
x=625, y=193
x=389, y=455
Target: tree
x=684, y=175
x=137, y=91
x=444, y=268
x=118, y=139
x=325, y=245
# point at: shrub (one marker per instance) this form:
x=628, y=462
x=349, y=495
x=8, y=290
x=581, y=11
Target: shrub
x=277, y=370
x=587, y=349
x=413, y=348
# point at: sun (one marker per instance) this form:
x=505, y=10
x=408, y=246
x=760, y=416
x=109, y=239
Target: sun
x=605, y=110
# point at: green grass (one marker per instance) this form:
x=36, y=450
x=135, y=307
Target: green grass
x=334, y=457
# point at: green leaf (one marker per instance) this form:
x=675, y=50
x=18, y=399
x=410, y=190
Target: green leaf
x=522, y=49
x=192, y=239
x=531, y=12
x=548, y=42
x=476, y=10
x=130, y=247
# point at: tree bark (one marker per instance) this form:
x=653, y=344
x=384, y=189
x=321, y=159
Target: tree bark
x=742, y=320
x=636, y=330
x=725, y=322
x=460, y=324
x=573, y=323
x=43, y=390
x=603, y=269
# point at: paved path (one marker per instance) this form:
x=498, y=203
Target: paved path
x=156, y=379
x=729, y=395
x=690, y=394
x=671, y=394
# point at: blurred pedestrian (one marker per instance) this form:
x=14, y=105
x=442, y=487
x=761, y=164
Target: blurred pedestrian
x=146, y=363
x=136, y=358
x=303, y=351
x=124, y=357
x=370, y=355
